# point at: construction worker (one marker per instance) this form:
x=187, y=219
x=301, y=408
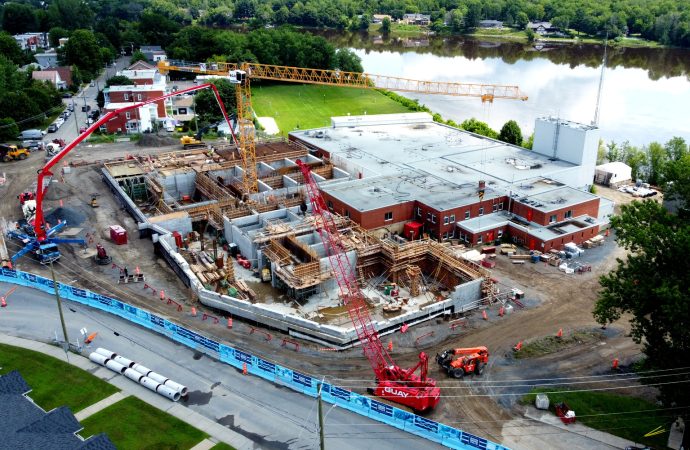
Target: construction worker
x=126, y=272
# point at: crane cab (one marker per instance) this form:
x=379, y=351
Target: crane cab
x=238, y=76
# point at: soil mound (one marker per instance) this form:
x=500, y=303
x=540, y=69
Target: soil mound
x=155, y=140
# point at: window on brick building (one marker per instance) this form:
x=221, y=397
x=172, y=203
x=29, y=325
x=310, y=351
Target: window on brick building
x=500, y=234
x=494, y=207
x=433, y=218
x=126, y=96
x=388, y=216
x=419, y=212
x=329, y=204
x=569, y=214
x=428, y=217
x=467, y=215
x=500, y=206
x=445, y=220
x=347, y=213
x=481, y=210
x=479, y=239
x=128, y=115
x=139, y=97
x=553, y=218
x=452, y=218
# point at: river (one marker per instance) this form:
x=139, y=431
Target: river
x=645, y=95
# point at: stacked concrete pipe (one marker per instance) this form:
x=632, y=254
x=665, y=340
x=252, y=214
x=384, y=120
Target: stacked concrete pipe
x=138, y=373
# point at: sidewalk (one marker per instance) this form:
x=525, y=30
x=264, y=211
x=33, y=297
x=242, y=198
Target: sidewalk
x=218, y=432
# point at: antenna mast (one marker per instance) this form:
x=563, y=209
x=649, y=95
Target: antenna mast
x=595, y=122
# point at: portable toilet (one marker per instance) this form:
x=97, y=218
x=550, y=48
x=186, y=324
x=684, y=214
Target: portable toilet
x=118, y=234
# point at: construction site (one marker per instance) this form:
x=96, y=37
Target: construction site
x=410, y=228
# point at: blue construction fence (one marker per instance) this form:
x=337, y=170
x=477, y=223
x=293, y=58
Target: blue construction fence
x=360, y=404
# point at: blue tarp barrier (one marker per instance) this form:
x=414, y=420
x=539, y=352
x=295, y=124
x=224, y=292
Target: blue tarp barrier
x=360, y=404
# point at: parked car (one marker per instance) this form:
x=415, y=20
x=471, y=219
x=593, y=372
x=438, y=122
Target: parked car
x=32, y=145
x=66, y=95
x=59, y=121
x=70, y=107
x=82, y=129
x=86, y=108
x=52, y=128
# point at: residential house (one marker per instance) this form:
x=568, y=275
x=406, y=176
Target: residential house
x=32, y=41
x=416, y=19
x=490, y=24
x=544, y=28
x=51, y=76
x=136, y=120
x=378, y=18
x=144, y=77
x=62, y=41
x=141, y=65
x=153, y=53
x=65, y=74
x=182, y=108
x=27, y=425
x=47, y=59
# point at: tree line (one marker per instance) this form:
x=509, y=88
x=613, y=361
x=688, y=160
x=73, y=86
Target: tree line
x=155, y=21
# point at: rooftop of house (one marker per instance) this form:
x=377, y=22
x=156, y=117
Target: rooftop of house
x=139, y=74
x=26, y=425
x=133, y=88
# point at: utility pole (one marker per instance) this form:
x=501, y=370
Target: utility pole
x=59, y=303
x=76, y=122
x=322, y=443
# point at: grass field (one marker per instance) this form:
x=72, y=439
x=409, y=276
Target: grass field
x=628, y=417
x=307, y=106
x=222, y=446
x=134, y=424
x=54, y=383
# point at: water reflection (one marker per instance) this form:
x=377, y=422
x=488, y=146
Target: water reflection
x=645, y=97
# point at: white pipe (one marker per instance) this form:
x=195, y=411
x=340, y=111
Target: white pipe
x=165, y=391
x=115, y=366
x=98, y=358
x=157, y=377
x=141, y=369
x=124, y=361
x=149, y=383
x=107, y=353
x=133, y=375
x=177, y=386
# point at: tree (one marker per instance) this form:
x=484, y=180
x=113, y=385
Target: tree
x=676, y=181
x=521, y=20
x=137, y=56
x=119, y=80
x=676, y=148
x=531, y=35
x=18, y=18
x=8, y=129
x=476, y=126
x=511, y=133
x=364, y=22
x=601, y=152
x=83, y=51
x=612, y=152
x=636, y=159
x=10, y=48
x=657, y=157
x=70, y=14
x=385, y=26
x=55, y=34
x=206, y=107
x=529, y=143
x=348, y=61
x=651, y=285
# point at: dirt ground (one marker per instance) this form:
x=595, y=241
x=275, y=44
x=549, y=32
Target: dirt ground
x=483, y=405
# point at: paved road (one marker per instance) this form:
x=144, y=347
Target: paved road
x=273, y=417
x=87, y=96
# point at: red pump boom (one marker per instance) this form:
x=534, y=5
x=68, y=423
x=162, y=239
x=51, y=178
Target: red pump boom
x=39, y=226
x=393, y=383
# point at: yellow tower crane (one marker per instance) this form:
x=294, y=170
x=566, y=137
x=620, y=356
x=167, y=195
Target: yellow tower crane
x=241, y=74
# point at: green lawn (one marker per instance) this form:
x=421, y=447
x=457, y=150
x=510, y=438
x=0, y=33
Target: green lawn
x=134, y=424
x=54, y=383
x=310, y=106
x=222, y=446
x=628, y=417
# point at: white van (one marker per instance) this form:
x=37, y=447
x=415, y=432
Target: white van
x=31, y=135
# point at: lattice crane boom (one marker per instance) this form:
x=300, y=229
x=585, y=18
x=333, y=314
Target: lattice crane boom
x=393, y=383
x=241, y=74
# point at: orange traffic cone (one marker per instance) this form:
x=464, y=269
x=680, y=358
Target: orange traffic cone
x=193, y=311
x=518, y=347
x=90, y=339
x=3, y=303
x=501, y=311
x=229, y=322
x=560, y=333
x=390, y=345
x=614, y=365
x=484, y=316
x=244, y=368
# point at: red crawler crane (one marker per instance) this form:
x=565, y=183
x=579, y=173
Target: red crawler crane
x=392, y=382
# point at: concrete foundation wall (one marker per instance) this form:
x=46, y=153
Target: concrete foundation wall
x=178, y=184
